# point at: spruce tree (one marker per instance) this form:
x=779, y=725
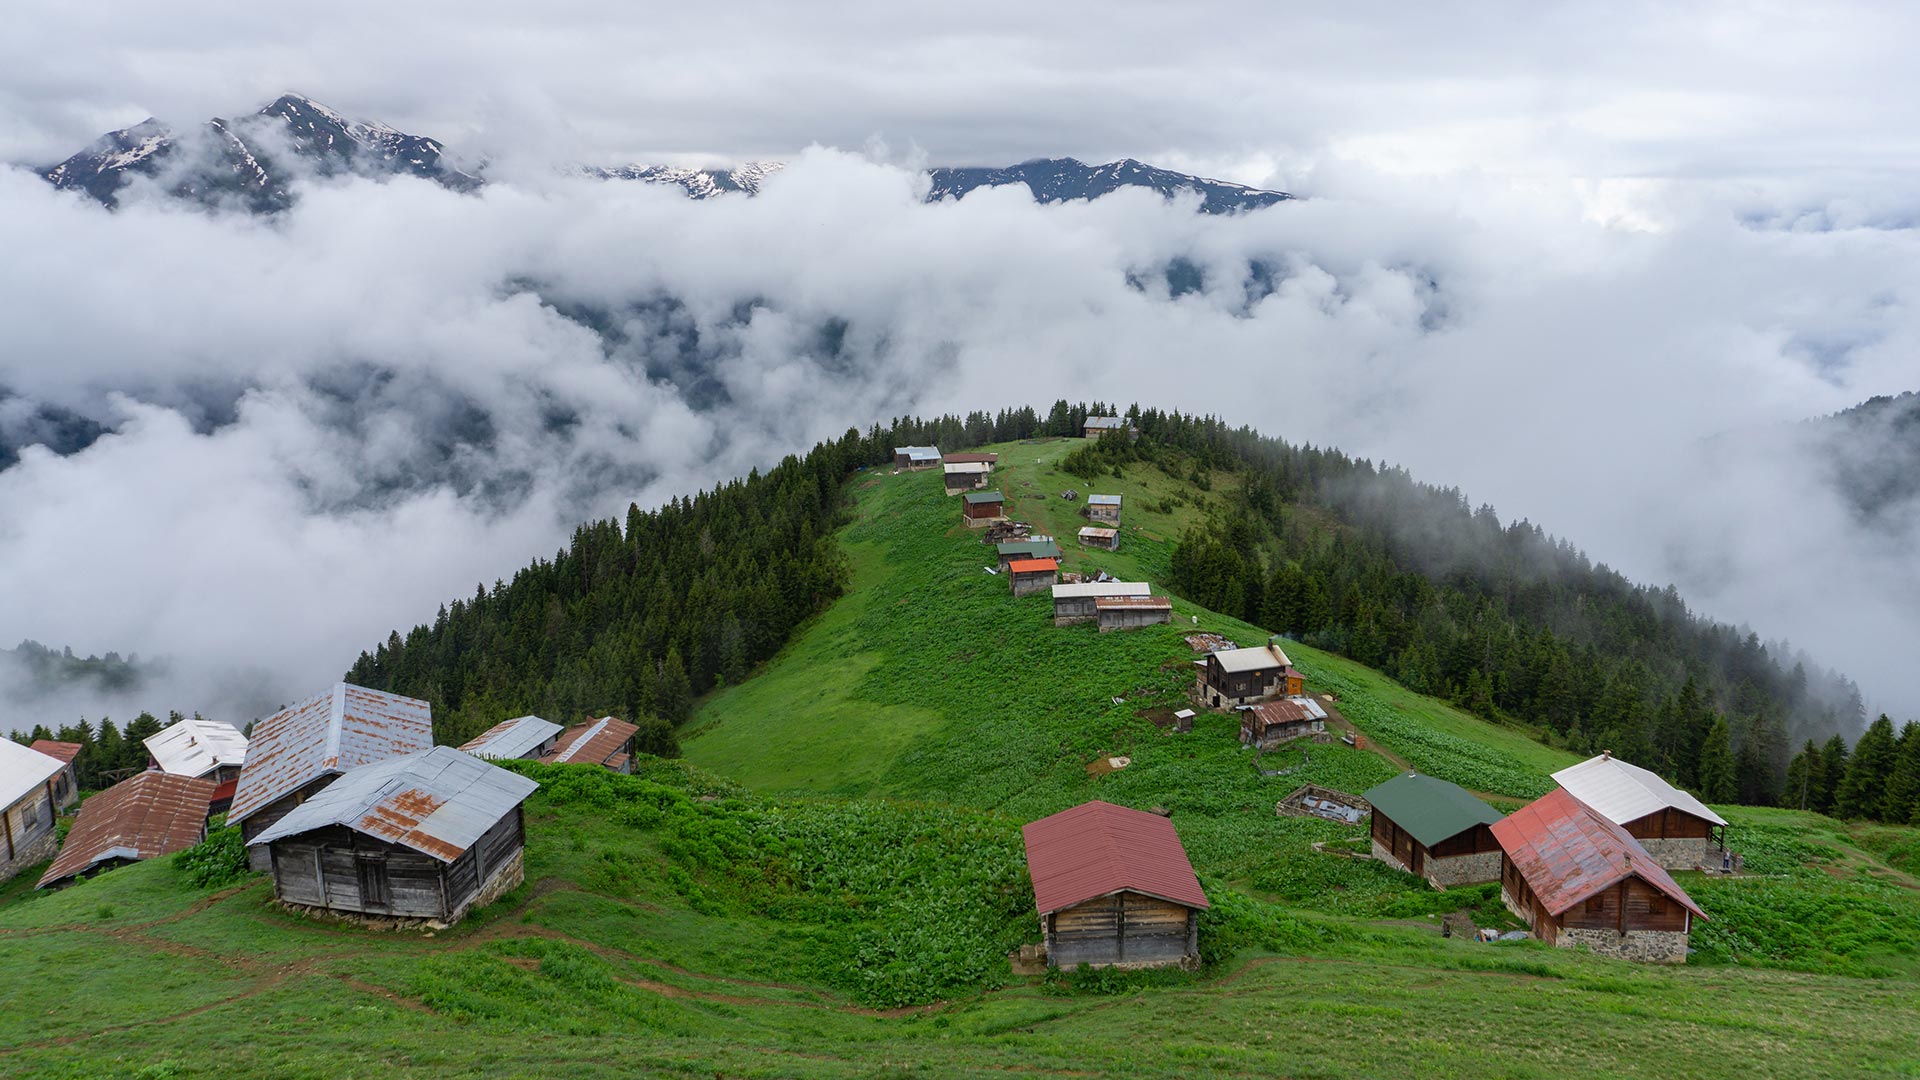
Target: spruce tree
x=1902, y=802
x=1806, y=777
x=1864, y=790
x=1833, y=760
x=1717, y=781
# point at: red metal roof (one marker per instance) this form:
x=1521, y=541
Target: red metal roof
x=596, y=743
x=1567, y=851
x=149, y=814
x=1098, y=848
x=1034, y=566
x=65, y=751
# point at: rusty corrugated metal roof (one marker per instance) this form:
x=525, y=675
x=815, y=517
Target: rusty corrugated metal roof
x=1132, y=603
x=148, y=814
x=193, y=746
x=438, y=802
x=332, y=732
x=22, y=769
x=514, y=738
x=595, y=743
x=1567, y=851
x=1098, y=533
x=1033, y=566
x=53, y=748
x=1098, y=848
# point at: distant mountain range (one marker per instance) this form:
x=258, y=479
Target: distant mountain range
x=251, y=162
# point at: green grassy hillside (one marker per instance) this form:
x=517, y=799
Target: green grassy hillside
x=830, y=887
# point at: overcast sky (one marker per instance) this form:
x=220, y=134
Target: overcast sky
x=1582, y=265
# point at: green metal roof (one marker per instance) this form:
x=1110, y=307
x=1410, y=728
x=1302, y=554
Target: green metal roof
x=983, y=497
x=1430, y=810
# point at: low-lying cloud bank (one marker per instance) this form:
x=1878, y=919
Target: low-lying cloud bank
x=324, y=425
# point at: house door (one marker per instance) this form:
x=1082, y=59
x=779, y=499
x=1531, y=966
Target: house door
x=372, y=871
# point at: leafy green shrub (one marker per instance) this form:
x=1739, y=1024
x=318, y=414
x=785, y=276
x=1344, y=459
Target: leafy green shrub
x=220, y=859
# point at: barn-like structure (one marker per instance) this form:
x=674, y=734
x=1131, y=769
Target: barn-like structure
x=66, y=783
x=959, y=476
x=1435, y=830
x=198, y=747
x=299, y=751
x=1026, y=549
x=1579, y=879
x=1234, y=677
x=1032, y=575
x=1673, y=826
x=1104, y=508
x=1095, y=536
x=424, y=836
x=1270, y=723
x=606, y=742
x=978, y=508
x=916, y=457
x=28, y=779
x=1113, y=888
x=1078, y=602
x=1130, y=612
x=521, y=737
x=144, y=816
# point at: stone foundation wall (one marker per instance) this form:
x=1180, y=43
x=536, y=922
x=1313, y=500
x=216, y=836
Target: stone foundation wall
x=1653, y=946
x=1380, y=852
x=1463, y=869
x=34, y=852
x=504, y=880
x=1519, y=912
x=1684, y=854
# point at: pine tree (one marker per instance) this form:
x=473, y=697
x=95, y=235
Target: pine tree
x=1864, y=790
x=674, y=690
x=1717, y=781
x=1833, y=759
x=1902, y=802
x=1806, y=778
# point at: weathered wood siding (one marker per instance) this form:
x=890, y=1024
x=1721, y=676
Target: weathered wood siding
x=26, y=822
x=1132, y=618
x=1669, y=824
x=255, y=824
x=328, y=868
x=1125, y=928
x=1074, y=609
x=1522, y=902
x=1630, y=905
x=1472, y=842
x=1033, y=581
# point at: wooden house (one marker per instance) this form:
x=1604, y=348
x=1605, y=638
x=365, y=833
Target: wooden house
x=1026, y=549
x=1096, y=426
x=423, y=836
x=296, y=752
x=962, y=476
x=27, y=800
x=1674, y=827
x=1233, y=677
x=1095, y=537
x=1104, y=508
x=989, y=460
x=1079, y=602
x=1129, y=612
x=916, y=457
x=1113, y=888
x=521, y=737
x=66, y=783
x=1033, y=575
x=195, y=746
x=144, y=816
x=606, y=742
x=978, y=508
x=1435, y=830
x=1270, y=723
x=1579, y=879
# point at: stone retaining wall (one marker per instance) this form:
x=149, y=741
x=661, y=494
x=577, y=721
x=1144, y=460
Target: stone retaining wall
x=37, y=851
x=1655, y=946
x=1684, y=854
x=1463, y=869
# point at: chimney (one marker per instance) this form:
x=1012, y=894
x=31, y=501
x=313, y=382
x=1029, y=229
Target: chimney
x=1606, y=755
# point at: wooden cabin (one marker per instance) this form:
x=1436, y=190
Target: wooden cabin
x=1270, y=723
x=1130, y=612
x=1435, y=830
x=197, y=747
x=1113, y=888
x=962, y=476
x=1674, y=827
x=1104, y=508
x=916, y=457
x=1079, y=602
x=522, y=737
x=606, y=742
x=144, y=816
x=1033, y=575
x=1234, y=677
x=66, y=783
x=1579, y=879
x=425, y=836
x=28, y=779
x=297, y=752
x=977, y=508
x=1026, y=549
x=989, y=460
x=1095, y=537
x=1096, y=426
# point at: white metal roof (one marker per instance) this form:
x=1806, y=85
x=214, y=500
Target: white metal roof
x=1103, y=421
x=23, y=769
x=195, y=746
x=1103, y=500
x=1102, y=588
x=512, y=738
x=917, y=453
x=967, y=467
x=1101, y=534
x=1234, y=661
x=1622, y=792
x=438, y=802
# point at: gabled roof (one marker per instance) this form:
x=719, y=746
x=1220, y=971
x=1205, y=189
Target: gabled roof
x=512, y=738
x=1103, y=500
x=1431, y=810
x=596, y=743
x=22, y=770
x=918, y=453
x=1625, y=792
x=332, y=732
x=983, y=497
x=1567, y=851
x=148, y=814
x=193, y=746
x=1031, y=549
x=1255, y=658
x=1033, y=566
x=1104, y=421
x=1133, y=603
x=438, y=802
x=1100, y=534
x=65, y=751
x=1290, y=710
x=964, y=468
x=1098, y=848
x=961, y=459
x=1083, y=589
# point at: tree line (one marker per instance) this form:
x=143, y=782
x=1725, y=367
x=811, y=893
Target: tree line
x=108, y=753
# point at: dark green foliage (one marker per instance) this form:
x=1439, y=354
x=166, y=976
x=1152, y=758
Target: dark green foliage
x=220, y=859
x=1863, y=792
x=1717, y=782
x=1902, y=803
x=107, y=754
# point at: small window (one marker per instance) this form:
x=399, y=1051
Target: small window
x=372, y=867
